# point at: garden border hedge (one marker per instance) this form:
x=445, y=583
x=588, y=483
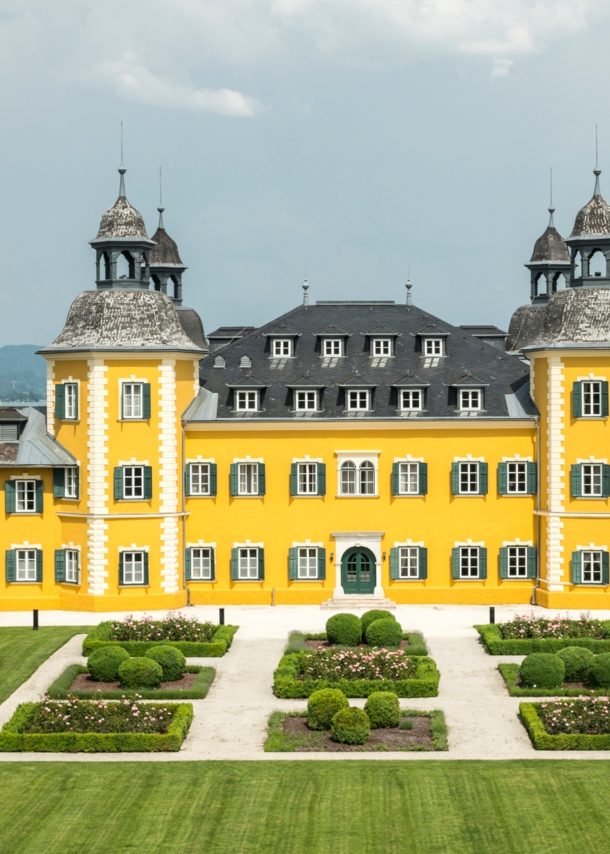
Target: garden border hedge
x=565, y=741
x=217, y=647
x=495, y=644
x=416, y=639
x=287, y=685
x=59, y=690
x=14, y=741
x=509, y=674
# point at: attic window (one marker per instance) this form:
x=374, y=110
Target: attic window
x=245, y=362
x=471, y=399
x=8, y=433
x=434, y=347
x=382, y=347
x=219, y=362
x=281, y=347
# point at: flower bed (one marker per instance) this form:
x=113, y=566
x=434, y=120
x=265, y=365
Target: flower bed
x=510, y=673
x=530, y=633
x=358, y=673
x=191, y=637
x=578, y=724
x=62, y=687
x=412, y=642
x=96, y=726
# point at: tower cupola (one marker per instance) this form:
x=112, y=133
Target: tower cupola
x=550, y=259
x=590, y=242
x=166, y=267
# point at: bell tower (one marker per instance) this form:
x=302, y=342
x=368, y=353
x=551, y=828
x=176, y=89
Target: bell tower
x=590, y=242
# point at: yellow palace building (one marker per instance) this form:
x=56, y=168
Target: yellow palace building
x=346, y=452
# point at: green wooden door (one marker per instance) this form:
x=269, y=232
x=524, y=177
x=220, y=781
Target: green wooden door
x=358, y=571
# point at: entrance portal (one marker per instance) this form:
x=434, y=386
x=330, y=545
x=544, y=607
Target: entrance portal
x=358, y=571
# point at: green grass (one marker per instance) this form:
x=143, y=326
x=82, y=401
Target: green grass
x=284, y=807
x=22, y=651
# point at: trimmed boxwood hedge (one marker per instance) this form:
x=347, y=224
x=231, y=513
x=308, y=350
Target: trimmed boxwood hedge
x=287, y=685
x=60, y=689
x=495, y=644
x=220, y=643
x=566, y=741
x=510, y=671
x=14, y=741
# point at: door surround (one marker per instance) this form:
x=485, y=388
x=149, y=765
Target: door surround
x=360, y=539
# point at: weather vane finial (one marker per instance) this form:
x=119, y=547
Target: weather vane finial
x=122, y=170
x=551, y=208
x=597, y=171
x=160, y=208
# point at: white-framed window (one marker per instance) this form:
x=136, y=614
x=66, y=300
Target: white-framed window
x=247, y=478
x=469, y=561
x=134, y=564
x=199, y=474
x=358, y=479
x=281, y=347
x=135, y=401
x=469, y=478
x=133, y=481
x=470, y=399
x=591, y=566
x=71, y=482
x=408, y=478
x=71, y=565
x=433, y=347
x=358, y=400
x=25, y=564
x=307, y=478
x=71, y=401
x=382, y=346
x=592, y=479
x=248, y=563
x=516, y=477
x=306, y=401
x=202, y=564
x=411, y=399
x=332, y=347
x=409, y=562
x=25, y=496
x=517, y=561
x=308, y=562
x=592, y=398
x=246, y=401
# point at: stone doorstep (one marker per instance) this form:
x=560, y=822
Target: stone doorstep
x=358, y=602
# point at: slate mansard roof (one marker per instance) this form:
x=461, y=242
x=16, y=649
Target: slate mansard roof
x=469, y=362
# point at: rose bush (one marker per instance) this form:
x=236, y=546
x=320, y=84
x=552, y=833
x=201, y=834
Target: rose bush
x=588, y=715
x=533, y=626
x=174, y=627
x=333, y=664
x=103, y=716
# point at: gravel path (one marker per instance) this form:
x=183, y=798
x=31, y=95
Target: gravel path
x=231, y=722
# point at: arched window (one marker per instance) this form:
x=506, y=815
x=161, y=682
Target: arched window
x=541, y=285
x=559, y=282
x=367, y=478
x=104, y=271
x=348, y=478
x=577, y=266
x=125, y=268
x=597, y=263
x=156, y=282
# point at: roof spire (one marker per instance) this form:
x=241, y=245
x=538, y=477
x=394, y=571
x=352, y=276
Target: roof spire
x=122, y=170
x=160, y=208
x=408, y=286
x=551, y=208
x=597, y=171
x=305, y=293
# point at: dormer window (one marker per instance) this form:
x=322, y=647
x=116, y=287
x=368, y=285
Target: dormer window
x=306, y=401
x=245, y=362
x=470, y=399
x=281, y=347
x=9, y=432
x=382, y=347
x=332, y=347
x=434, y=347
x=358, y=400
x=219, y=362
x=246, y=401
x=411, y=399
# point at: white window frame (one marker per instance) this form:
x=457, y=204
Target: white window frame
x=434, y=347
x=469, y=463
x=302, y=399
x=201, y=558
x=591, y=550
x=71, y=482
x=471, y=548
x=332, y=344
x=242, y=477
x=307, y=473
x=72, y=565
x=27, y=486
x=282, y=348
x=516, y=560
x=520, y=472
x=599, y=473
x=594, y=405
x=467, y=402
x=357, y=459
x=135, y=410
x=197, y=478
x=411, y=466
x=132, y=554
x=306, y=554
x=71, y=400
x=382, y=348
x=244, y=568
x=406, y=399
x=246, y=400
x=137, y=495
x=361, y=402
x=28, y=551
x=409, y=554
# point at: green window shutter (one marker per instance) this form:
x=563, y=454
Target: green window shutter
x=39, y=496
x=234, y=564
x=395, y=561
x=482, y=563
x=604, y=399
x=234, y=479
x=145, y=400
x=502, y=479
x=121, y=569
x=146, y=569
x=322, y=564
x=532, y=478
x=483, y=478
x=187, y=480
x=76, y=404
x=532, y=562
x=148, y=485
x=395, y=478
x=576, y=478
x=576, y=567
x=59, y=483
x=322, y=480
x=10, y=499
x=503, y=562
x=294, y=479
x=423, y=563
x=261, y=478
x=213, y=479
x=118, y=483
x=77, y=478
x=60, y=566
x=187, y=564
x=39, y=566
x=455, y=563
x=577, y=400
x=212, y=564
x=60, y=401
x=261, y=564
x=605, y=579
x=423, y=478
x=293, y=564
x=455, y=478
x=605, y=481
x=10, y=565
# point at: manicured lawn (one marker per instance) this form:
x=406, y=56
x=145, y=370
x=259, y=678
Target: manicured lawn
x=307, y=807
x=22, y=651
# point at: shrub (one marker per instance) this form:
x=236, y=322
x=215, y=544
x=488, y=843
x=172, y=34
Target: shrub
x=345, y=629
x=577, y=662
x=406, y=724
x=172, y=662
x=140, y=673
x=104, y=663
x=599, y=674
x=533, y=626
x=323, y=706
x=351, y=726
x=370, y=616
x=334, y=664
x=384, y=633
x=542, y=670
x=383, y=709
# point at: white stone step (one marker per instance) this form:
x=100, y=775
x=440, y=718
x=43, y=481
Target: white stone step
x=351, y=602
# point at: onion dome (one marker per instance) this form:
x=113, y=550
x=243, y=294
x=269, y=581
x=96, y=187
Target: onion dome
x=122, y=219
x=594, y=218
x=166, y=250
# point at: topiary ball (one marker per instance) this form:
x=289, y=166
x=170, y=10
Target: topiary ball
x=370, y=616
x=577, y=661
x=384, y=633
x=383, y=709
x=140, y=673
x=542, y=670
x=351, y=726
x=323, y=705
x=345, y=629
x=172, y=662
x=599, y=674
x=104, y=663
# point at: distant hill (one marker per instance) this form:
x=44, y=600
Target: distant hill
x=23, y=374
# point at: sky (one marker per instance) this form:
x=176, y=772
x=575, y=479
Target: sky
x=361, y=141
